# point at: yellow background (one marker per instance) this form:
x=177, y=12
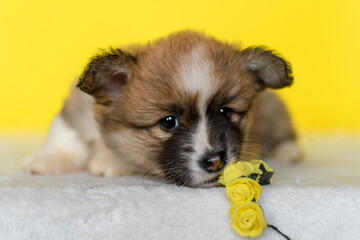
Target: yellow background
x=44, y=44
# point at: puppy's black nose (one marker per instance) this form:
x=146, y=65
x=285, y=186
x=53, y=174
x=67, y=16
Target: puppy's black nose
x=214, y=162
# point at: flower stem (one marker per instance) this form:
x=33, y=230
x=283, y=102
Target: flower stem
x=277, y=230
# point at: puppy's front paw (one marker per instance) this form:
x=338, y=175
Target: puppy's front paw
x=288, y=152
x=105, y=167
x=54, y=163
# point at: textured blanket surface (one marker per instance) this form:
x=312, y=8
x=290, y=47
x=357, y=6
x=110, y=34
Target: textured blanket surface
x=317, y=199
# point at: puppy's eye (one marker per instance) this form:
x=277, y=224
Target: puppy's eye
x=169, y=123
x=225, y=111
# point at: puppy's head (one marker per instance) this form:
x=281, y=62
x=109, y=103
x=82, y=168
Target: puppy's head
x=179, y=108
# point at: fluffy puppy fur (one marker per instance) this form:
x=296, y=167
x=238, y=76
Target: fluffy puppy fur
x=179, y=109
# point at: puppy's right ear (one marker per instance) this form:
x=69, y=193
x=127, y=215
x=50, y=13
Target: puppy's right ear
x=106, y=75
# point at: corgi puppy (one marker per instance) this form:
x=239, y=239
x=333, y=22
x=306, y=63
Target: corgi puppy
x=179, y=109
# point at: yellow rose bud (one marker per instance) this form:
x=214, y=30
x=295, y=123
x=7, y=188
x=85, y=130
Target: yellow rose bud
x=256, y=164
x=244, y=168
x=248, y=220
x=235, y=170
x=243, y=190
x=265, y=177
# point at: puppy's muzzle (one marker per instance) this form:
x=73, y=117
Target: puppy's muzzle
x=214, y=162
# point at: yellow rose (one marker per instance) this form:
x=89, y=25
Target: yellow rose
x=243, y=190
x=248, y=220
x=236, y=170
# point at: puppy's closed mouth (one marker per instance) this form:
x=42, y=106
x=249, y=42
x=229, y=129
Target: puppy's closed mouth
x=211, y=182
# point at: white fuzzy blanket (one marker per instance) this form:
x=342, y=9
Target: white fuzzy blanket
x=318, y=199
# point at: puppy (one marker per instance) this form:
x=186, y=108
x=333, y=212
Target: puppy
x=179, y=109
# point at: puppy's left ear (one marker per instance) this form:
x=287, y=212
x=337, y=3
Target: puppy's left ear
x=266, y=68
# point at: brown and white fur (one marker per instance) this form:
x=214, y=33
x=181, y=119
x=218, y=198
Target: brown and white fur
x=179, y=109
